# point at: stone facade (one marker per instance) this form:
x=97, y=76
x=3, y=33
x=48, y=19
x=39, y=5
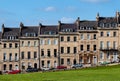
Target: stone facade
x=86, y=42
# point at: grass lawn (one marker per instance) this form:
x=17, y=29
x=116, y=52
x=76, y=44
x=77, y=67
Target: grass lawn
x=110, y=73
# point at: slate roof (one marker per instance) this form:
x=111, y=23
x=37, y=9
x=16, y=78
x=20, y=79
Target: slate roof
x=30, y=29
x=53, y=28
x=88, y=24
x=108, y=19
x=11, y=31
x=68, y=26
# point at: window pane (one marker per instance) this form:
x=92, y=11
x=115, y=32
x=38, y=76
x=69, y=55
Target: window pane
x=82, y=37
x=62, y=38
x=62, y=61
x=42, y=52
x=68, y=49
x=62, y=49
x=88, y=47
x=75, y=38
x=35, y=54
x=55, y=52
x=4, y=45
x=55, y=42
x=49, y=41
x=48, y=53
x=81, y=47
x=10, y=45
x=22, y=55
x=68, y=38
x=29, y=55
x=75, y=50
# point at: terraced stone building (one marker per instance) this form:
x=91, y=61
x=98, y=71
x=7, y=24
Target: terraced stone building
x=84, y=41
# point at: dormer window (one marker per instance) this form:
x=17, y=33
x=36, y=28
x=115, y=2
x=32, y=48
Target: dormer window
x=67, y=30
x=113, y=24
x=107, y=25
x=34, y=34
x=12, y=37
x=89, y=28
x=50, y=32
x=26, y=34
x=104, y=25
x=85, y=28
x=82, y=28
x=16, y=37
x=101, y=25
x=30, y=35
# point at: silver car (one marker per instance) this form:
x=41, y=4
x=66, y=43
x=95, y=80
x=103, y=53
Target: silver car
x=77, y=65
x=45, y=68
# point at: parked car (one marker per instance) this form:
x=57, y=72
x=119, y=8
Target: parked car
x=14, y=72
x=77, y=65
x=61, y=67
x=45, y=68
x=32, y=70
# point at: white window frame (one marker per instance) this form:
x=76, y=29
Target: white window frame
x=4, y=55
x=108, y=33
x=108, y=55
x=88, y=36
x=115, y=44
x=42, y=42
x=108, y=44
x=82, y=36
x=55, y=41
x=101, y=55
x=101, y=44
x=35, y=43
x=49, y=42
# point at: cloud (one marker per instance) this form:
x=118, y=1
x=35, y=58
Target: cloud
x=95, y=1
x=67, y=19
x=50, y=8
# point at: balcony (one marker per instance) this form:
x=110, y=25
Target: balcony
x=52, y=56
x=82, y=31
x=108, y=49
x=10, y=60
x=86, y=52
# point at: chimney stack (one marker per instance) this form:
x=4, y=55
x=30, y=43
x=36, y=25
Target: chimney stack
x=3, y=28
x=21, y=27
x=118, y=16
x=59, y=25
x=40, y=25
x=97, y=17
x=78, y=22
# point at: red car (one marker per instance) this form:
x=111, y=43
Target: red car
x=61, y=67
x=14, y=72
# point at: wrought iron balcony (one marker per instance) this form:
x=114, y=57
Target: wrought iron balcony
x=109, y=49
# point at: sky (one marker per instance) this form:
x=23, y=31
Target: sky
x=49, y=12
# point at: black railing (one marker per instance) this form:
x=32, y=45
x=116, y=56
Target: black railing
x=109, y=49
